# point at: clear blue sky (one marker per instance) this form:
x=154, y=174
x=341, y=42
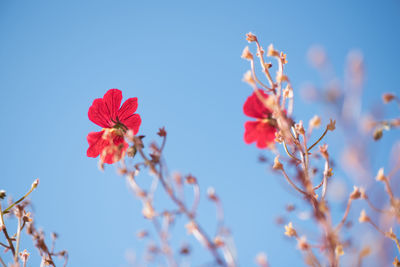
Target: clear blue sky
x=182, y=60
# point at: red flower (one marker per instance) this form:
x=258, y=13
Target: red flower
x=106, y=112
x=262, y=130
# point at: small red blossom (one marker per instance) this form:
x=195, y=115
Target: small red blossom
x=262, y=131
x=115, y=119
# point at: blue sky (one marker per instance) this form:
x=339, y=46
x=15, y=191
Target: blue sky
x=182, y=60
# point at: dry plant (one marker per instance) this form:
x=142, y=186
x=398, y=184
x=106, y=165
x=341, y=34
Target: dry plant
x=297, y=161
x=18, y=209
x=300, y=158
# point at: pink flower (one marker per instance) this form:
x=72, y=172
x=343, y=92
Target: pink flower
x=261, y=131
x=106, y=112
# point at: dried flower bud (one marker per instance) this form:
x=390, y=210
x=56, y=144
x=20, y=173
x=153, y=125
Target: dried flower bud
x=267, y=65
x=332, y=125
x=290, y=207
x=355, y=194
x=302, y=243
x=190, y=179
x=2, y=194
x=272, y=52
x=380, y=176
x=161, y=132
x=131, y=151
x=27, y=217
x=35, y=183
x=363, y=195
x=122, y=171
x=390, y=234
x=246, y=54
x=251, y=37
x=211, y=194
x=280, y=78
x=142, y=234
x=177, y=178
x=315, y=122
x=185, y=250
x=365, y=252
x=283, y=58
x=218, y=242
x=278, y=137
x=378, y=133
x=261, y=259
x=288, y=92
x=289, y=230
x=324, y=151
x=148, y=210
x=299, y=128
x=387, y=97
x=339, y=250
x=24, y=255
x=277, y=165
x=363, y=217
x=248, y=78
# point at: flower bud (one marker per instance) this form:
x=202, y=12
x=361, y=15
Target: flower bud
x=315, y=122
x=339, y=250
x=190, y=179
x=289, y=230
x=271, y=51
x=24, y=255
x=332, y=125
x=387, y=97
x=277, y=165
x=2, y=194
x=363, y=217
x=211, y=194
x=248, y=78
x=246, y=54
x=35, y=183
x=251, y=37
x=218, y=242
x=299, y=128
x=380, y=176
x=302, y=243
x=378, y=133
x=355, y=194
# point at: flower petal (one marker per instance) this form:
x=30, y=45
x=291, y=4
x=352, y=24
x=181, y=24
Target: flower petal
x=260, y=132
x=133, y=123
x=96, y=143
x=99, y=114
x=128, y=108
x=254, y=108
x=112, y=100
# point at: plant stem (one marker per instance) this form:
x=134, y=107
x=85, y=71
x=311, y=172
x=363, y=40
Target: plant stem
x=2, y=224
x=2, y=262
x=18, y=239
x=322, y=136
x=7, y=210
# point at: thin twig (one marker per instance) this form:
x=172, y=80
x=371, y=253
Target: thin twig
x=322, y=136
x=18, y=238
x=346, y=213
x=2, y=224
x=293, y=184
